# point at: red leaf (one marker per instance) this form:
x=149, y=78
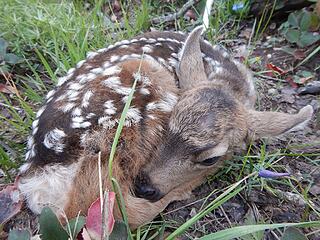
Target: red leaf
x=274, y=68
x=293, y=84
x=94, y=218
x=10, y=203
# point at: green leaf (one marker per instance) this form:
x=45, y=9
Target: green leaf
x=119, y=231
x=292, y=35
x=19, y=234
x=236, y=232
x=305, y=21
x=50, y=227
x=314, y=22
x=307, y=38
x=75, y=225
x=12, y=58
x=294, y=18
x=292, y=233
x=3, y=48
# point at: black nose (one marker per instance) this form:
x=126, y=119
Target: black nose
x=146, y=191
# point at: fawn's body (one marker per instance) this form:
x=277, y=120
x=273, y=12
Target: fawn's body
x=189, y=111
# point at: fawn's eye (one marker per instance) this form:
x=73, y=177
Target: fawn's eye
x=209, y=161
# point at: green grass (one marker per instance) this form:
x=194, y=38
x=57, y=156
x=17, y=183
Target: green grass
x=53, y=37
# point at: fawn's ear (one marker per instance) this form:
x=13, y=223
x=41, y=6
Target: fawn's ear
x=267, y=124
x=191, y=69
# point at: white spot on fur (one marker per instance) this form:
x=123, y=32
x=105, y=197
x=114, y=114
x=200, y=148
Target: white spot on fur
x=151, y=40
x=110, y=109
x=173, y=62
x=114, y=58
x=133, y=116
x=144, y=91
x=76, y=112
x=25, y=167
x=50, y=94
x=86, y=97
x=54, y=140
x=91, y=55
x=166, y=104
x=147, y=49
x=30, y=142
x=105, y=49
x=97, y=71
x=35, y=130
x=111, y=71
x=171, y=47
x=79, y=64
x=75, y=86
x=81, y=124
x=90, y=115
x=49, y=186
x=35, y=123
x=62, y=80
x=68, y=107
x=40, y=111
x=115, y=84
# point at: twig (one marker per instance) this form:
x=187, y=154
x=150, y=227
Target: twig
x=174, y=16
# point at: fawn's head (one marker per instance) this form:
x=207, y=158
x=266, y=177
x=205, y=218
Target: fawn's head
x=205, y=127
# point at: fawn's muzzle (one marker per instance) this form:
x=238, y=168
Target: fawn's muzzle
x=144, y=189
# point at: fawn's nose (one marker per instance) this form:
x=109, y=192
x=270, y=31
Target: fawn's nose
x=146, y=191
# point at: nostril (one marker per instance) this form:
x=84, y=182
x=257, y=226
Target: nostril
x=146, y=192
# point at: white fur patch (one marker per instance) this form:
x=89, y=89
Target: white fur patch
x=144, y=91
x=54, y=140
x=115, y=84
x=76, y=112
x=81, y=124
x=133, y=116
x=111, y=71
x=151, y=40
x=40, y=111
x=62, y=80
x=114, y=58
x=31, y=153
x=147, y=49
x=86, y=97
x=79, y=64
x=68, y=107
x=49, y=186
x=110, y=109
x=91, y=54
x=166, y=104
x=50, y=94
x=97, y=71
x=23, y=168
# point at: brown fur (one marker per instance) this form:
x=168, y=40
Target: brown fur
x=170, y=150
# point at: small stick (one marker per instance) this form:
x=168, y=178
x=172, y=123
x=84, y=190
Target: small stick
x=174, y=16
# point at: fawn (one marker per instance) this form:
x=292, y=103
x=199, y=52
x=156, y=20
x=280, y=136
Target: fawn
x=192, y=107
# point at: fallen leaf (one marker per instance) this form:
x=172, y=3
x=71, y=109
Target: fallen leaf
x=94, y=217
x=292, y=83
x=7, y=89
x=10, y=203
x=274, y=68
